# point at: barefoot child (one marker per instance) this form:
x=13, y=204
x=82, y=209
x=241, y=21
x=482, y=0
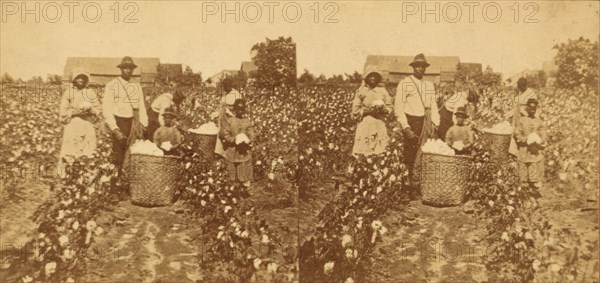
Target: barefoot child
x=530, y=136
x=168, y=137
x=237, y=135
x=460, y=137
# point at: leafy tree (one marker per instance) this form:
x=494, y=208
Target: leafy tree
x=321, y=79
x=577, y=62
x=306, y=78
x=468, y=72
x=336, y=79
x=36, y=80
x=7, y=79
x=537, y=80
x=276, y=62
x=354, y=78
x=53, y=79
x=189, y=78
x=489, y=78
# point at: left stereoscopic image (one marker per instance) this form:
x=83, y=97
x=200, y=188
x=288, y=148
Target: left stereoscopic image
x=139, y=150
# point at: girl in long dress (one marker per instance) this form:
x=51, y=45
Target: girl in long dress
x=79, y=109
x=371, y=105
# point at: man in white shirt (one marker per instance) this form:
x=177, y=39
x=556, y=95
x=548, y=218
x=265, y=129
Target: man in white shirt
x=416, y=110
x=122, y=98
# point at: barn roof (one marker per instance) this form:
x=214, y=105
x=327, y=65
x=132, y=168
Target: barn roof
x=399, y=64
x=107, y=66
x=248, y=67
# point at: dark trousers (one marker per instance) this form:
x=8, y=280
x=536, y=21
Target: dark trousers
x=445, y=122
x=411, y=146
x=120, y=146
x=153, y=124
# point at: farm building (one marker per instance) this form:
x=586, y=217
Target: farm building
x=514, y=78
x=248, y=67
x=102, y=69
x=396, y=68
x=216, y=78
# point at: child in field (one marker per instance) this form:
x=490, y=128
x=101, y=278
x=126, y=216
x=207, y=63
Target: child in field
x=530, y=137
x=168, y=137
x=460, y=137
x=236, y=135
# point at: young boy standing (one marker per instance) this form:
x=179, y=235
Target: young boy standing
x=460, y=137
x=237, y=135
x=168, y=137
x=530, y=136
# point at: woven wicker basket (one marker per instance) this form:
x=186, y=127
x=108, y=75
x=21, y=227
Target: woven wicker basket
x=498, y=144
x=153, y=179
x=444, y=179
x=205, y=144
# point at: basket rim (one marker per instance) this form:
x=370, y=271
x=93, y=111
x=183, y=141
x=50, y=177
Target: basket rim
x=192, y=133
x=456, y=156
x=149, y=155
x=495, y=134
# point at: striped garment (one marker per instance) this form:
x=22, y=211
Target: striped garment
x=240, y=171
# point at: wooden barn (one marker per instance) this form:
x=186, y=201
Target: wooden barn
x=103, y=69
x=395, y=68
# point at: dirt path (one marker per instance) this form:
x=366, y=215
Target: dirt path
x=16, y=210
x=427, y=244
x=144, y=245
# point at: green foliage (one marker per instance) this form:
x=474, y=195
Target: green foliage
x=577, y=62
x=6, y=79
x=189, y=78
x=276, y=62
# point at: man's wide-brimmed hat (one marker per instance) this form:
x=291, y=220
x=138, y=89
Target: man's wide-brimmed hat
x=127, y=62
x=169, y=113
x=461, y=111
x=419, y=61
x=532, y=102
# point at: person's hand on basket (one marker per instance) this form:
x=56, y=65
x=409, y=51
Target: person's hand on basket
x=118, y=134
x=409, y=134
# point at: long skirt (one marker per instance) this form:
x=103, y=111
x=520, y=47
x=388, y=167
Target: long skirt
x=371, y=137
x=79, y=139
x=240, y=171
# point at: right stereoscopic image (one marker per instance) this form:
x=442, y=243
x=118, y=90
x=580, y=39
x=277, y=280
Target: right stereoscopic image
x=441, y=148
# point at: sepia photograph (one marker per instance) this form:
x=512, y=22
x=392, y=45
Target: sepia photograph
x=299, y=141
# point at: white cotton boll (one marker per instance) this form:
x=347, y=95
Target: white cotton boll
x=534, y=138
x=241, y=138
x=146, y=147
x=437, y=147
x=504, y=128
x=209, y=128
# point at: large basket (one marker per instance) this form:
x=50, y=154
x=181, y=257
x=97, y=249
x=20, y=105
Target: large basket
x=205, y=144
x=444, y=179
x=153, y=179
x=498, y=145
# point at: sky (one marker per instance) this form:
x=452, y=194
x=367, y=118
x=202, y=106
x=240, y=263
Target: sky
x=332, y=39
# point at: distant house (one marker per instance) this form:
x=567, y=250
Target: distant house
x=103, y=69
x=396, y=68
x=549, y=67
x=512, y=80
x=250, y=69
x=216, y=78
